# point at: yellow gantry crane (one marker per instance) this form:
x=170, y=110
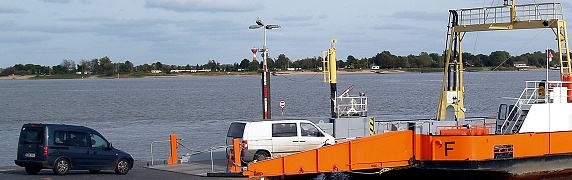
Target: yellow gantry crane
x=510, y=16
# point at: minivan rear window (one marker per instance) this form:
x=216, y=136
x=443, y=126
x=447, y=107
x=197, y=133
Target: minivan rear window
x=236, y=130
x=32, y=135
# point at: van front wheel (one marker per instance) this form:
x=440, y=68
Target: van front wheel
x=62, y=166
x=122, y=167
x=32, y=170
x=261, y=155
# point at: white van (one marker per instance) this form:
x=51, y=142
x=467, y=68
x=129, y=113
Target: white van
x=271, y=138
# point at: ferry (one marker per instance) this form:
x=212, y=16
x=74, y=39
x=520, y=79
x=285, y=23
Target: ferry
x=529, y=134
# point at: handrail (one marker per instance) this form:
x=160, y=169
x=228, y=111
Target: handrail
x=502, y=14
x=350, y=105
x=152, y=149
x=209, y=150
x=529, y=96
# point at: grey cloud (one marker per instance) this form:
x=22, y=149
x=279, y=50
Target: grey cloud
x=419, y=15
x=6, y=38
x=86, y=19
x=12, y=10
x=409, y=30
x=204, y=5
x=136, y=29
x=7, y=25
x=293, y=18
x=57, y=1
x=323, y=16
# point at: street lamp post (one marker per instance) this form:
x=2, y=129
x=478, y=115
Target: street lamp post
x=266, y=108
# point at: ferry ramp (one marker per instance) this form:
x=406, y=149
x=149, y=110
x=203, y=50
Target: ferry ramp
x=373, y=153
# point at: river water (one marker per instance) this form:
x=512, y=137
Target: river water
x=133, y=112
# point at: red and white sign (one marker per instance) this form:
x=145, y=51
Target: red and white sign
x=282, y=104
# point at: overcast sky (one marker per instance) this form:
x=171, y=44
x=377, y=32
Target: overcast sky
x=193, y=32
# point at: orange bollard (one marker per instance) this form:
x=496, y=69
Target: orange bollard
x=173, y=159
x=236, y=165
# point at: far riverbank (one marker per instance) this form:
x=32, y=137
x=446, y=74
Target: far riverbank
x=279, y=73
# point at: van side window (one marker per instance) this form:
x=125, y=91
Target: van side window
x=284, y=130
x=97, y=141
x=77, y=139
x=310, y=130
x=60, y=137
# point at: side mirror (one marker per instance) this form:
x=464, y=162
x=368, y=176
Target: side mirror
x=109, y=145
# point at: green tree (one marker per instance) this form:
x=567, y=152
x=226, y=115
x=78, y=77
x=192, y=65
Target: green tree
x=253, y=66
x=283, y=62
x=424, y=60
x=106, y=66
x=385, y=59
x=498, y=57
x=437, y=60
x=245, y=63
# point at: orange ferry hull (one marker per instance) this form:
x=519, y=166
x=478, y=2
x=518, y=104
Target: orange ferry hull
x=512, y=153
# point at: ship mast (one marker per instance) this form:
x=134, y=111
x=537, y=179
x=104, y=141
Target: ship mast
x=510, y=16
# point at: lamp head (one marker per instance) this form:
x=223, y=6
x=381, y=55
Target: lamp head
x=272, y=26
x=259, y=22
x=256, y=26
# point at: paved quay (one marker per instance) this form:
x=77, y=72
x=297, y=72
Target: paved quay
x=139, y=171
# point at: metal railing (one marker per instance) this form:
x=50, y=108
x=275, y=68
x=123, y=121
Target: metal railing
x=502, y=14
x=533, y=94
x=151, y=151
x=351, y=106
x=188, y=155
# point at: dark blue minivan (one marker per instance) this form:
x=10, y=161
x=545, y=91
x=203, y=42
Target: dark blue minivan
x=63, y=147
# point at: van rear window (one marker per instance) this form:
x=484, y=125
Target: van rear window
x=236, y=130
x=32, y=135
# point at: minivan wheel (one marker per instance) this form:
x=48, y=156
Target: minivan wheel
x=32, y=170
x=62, y=166
x=122, y=167
x=261, y=155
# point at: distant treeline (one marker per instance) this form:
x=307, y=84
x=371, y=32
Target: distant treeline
x=385, y=60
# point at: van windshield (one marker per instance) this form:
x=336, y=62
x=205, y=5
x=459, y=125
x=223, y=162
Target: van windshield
x=236, y=130
x=32, y=135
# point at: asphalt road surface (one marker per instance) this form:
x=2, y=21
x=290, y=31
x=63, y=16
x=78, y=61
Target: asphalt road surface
x=138, y=172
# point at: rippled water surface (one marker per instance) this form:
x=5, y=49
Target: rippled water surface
x=131, y=113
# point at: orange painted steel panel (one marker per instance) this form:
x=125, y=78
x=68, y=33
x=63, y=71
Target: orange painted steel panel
x=458, y=130
x=234, y=158
x=560, y=142
x=173, y=158
x=423, y=150
x=266, y=168
x=338, y=162
x=302, y=163
x=457, y=148
x=392, y=149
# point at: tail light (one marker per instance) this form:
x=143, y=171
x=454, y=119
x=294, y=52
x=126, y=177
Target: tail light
x=244, y=145
x=45, y=151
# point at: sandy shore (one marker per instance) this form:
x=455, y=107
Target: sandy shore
x=342, y=72
x=16, y=77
